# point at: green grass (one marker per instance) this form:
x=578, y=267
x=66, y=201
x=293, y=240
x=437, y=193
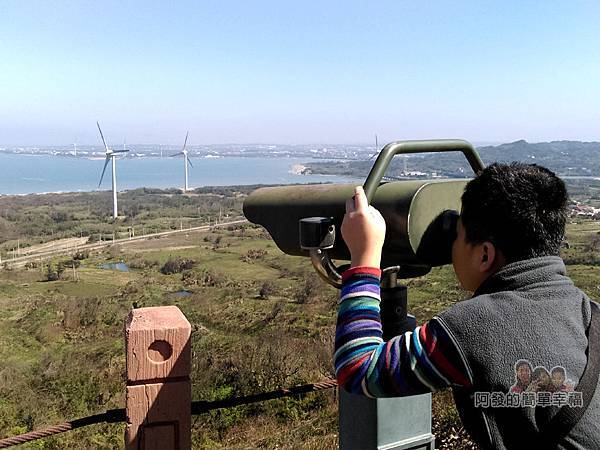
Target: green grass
x=61, y=342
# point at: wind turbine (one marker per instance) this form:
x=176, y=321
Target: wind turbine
x=376, y=149
x=186, y=161
x=111, y=155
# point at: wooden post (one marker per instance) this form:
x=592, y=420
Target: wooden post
x=158, y=353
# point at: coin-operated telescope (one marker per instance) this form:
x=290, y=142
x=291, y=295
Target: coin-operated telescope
x=420, y=217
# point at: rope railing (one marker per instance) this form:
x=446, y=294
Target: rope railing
x=110, y=416
x=198, y=407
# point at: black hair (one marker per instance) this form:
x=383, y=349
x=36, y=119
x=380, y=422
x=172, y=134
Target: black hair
x=523, y=362
x=520, y=208
x=559, y=369
x=538, y=371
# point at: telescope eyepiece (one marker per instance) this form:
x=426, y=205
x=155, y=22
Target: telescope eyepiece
x=435, y=247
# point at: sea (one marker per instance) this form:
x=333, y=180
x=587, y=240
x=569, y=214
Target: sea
x=35, y=174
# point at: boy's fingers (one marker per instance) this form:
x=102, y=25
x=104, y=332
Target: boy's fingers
x=350, y=205
x=360, y=199
x=375, y=212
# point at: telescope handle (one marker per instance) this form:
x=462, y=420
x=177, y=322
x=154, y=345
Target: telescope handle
x=403, y=147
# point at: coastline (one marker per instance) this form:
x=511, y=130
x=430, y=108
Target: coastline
x=49, y=175
x=298, y=169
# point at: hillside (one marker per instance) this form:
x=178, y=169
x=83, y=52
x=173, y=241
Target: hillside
x=261, y=320
x=566, y=158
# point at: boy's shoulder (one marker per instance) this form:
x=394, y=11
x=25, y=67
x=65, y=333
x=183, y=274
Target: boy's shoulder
x=485, y=323
x=515, y=306
x=521, y=291
x=482, y=306
x=476, y=313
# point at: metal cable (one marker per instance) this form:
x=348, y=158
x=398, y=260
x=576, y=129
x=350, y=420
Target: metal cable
x=110, y=416
x=198, y=407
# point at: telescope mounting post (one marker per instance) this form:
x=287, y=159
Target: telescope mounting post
x=387, y=423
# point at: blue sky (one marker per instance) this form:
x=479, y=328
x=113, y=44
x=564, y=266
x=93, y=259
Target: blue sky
x=298, y=72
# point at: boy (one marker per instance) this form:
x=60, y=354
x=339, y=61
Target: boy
x=524, y=307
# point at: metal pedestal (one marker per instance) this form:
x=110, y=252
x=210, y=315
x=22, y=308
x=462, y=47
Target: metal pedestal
x=387, y=423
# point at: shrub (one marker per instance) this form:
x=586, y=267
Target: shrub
x=177, y=265
x=267, y=289
x=60, y=216
x=80, y=255
x=585, y=259
x=592, y=244
x=308, y=290
x=69, y=263
x=31, y=265
x=204, y=278
x=54, y=272
x=254, y=254
x=141, y=263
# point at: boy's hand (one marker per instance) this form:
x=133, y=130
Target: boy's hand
x=363, y=230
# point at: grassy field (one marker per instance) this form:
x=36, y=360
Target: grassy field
x=33, y=220
x=261, y=320
x=62, y=345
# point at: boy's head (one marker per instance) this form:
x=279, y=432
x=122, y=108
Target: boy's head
x=541, y=377
x=523, y=372
x=510, y=212
x=558, y=376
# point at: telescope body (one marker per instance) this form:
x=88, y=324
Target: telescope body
x=409, y=208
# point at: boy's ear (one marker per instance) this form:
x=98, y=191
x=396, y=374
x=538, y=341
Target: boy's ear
x=488, y=257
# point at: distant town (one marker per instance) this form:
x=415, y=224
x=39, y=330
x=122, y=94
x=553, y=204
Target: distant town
x=567, y=158
x=355, y=152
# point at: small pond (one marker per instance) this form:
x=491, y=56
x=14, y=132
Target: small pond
x=182, y=293
x=120, y=266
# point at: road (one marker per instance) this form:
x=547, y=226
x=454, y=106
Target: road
x=22, y=260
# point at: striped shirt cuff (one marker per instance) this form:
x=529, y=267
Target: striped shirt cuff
x=361, y=270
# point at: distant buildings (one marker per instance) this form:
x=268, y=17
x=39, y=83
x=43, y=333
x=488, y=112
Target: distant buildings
x=578, y=209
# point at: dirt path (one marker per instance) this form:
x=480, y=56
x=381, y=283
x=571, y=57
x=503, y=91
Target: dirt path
x=57, y=245
x=51, y=251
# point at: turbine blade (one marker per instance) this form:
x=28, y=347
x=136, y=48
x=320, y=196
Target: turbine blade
x=177, y=154
x=185, y=142
x=189, y=162
x=118, y=151
x=102, y=136
x=104, y=170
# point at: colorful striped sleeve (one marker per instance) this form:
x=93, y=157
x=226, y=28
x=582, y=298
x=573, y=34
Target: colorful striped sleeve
x=423, y=360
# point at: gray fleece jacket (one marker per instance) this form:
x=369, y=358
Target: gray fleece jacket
x=529, y=310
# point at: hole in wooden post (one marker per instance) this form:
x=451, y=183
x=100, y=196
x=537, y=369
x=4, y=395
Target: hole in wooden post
x=160, y=351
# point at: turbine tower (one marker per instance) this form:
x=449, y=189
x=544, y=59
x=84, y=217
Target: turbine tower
x=186, y=161
x=376, y=149
x=111, y=155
